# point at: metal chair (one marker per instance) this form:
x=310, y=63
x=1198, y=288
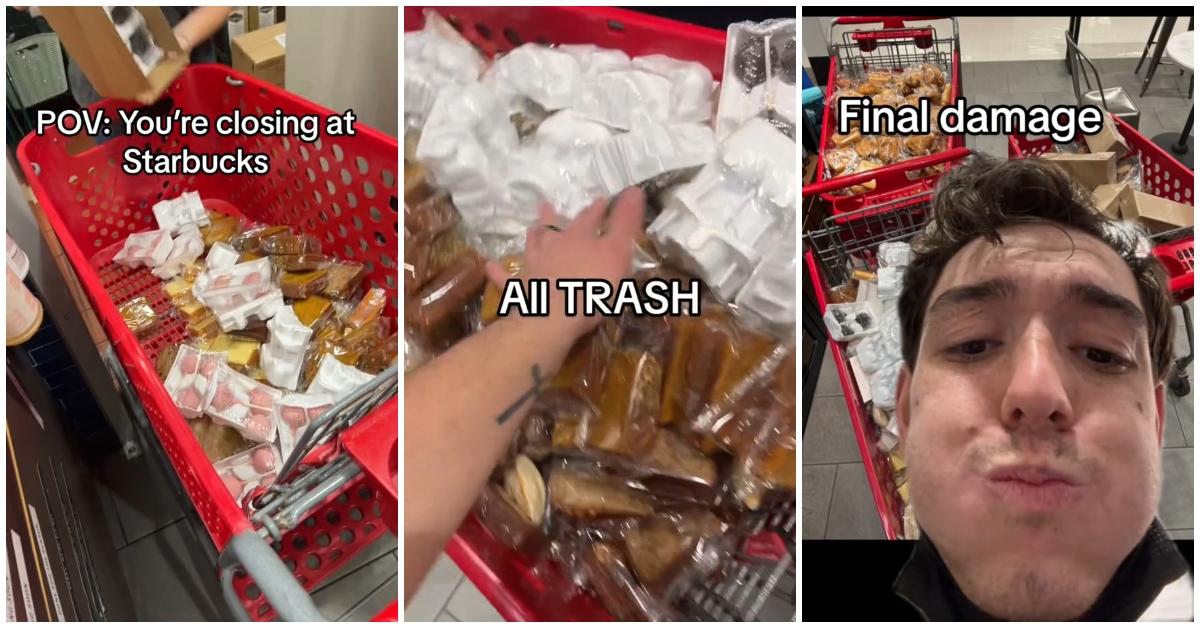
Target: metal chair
x=1113, y=99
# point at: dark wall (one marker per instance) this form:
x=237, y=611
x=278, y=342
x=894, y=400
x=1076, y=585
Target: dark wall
x=718, y=17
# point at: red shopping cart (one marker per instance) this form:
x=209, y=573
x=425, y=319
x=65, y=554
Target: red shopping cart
x=337, y=492
x=894, y=47
x=1164, y=176
x=525, y=588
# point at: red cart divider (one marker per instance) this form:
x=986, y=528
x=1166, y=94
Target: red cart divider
x=340, y=189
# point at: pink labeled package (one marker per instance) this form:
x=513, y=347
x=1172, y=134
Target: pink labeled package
x=250, y=469
x=191, y=378
x=243, y=404
x=296, y=412
x=235, y=286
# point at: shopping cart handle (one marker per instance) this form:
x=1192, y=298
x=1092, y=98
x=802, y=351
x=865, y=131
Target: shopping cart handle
x=837, y=183
x=887, y=21
x=250, y=552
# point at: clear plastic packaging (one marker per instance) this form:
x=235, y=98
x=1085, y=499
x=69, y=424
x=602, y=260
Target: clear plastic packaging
x=283, y=357
x=446, y=295
x=336, y=379
x=185, y=249
x=295, y=412
x=546, y=76
x=691, y=86
x=434, y=58
x=649, y=151
x=768, y=300
x=628, y=405
x=715, y=225
x=343, y=279
x=249, y=470
x=301, y=263
x=191, y=379
x=760, y=76
x=607, y=572
x=895, y=254
x=139, y=315
x=290, y=244
x=243, y=404
x=148, y=248
x=583, y=495
x=667, y=550
x=220, y=229
x=221, y=256
x=301, y=285
x=250, y=240
x=368, y=309
x=176, y=213
x=850, y=321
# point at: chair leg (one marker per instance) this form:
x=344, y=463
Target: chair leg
x=1149, y=41
x=1168, y=26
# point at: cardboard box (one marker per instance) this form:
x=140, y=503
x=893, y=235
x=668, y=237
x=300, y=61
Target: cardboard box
x=1114, y=200
x=1089, y=170
x=93, y=42
x=262, y=53
x=1109, y=139
x=1159, y=214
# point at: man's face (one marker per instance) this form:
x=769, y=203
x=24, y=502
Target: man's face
x=1032, y=422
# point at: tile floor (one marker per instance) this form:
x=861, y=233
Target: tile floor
x=837, y=501
x=171, y=576
x=447, y=595
x=1164, y=107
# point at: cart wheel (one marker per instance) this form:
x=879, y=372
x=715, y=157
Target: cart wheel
x=1180, y=386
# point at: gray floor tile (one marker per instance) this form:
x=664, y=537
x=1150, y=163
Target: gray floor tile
x=446, y=617
x=1185, y=410
x=830, y=436
x=818, y=491
x=1053, y=68
x=1172, y=117
x=384, y=545
x=1056, y=98
x=1181, y=534
x=1178, y=473
x=1172, y=428
x=852, y=514
x=966, y=70
x=828, y=384
x=994, y=70
x=1032, y=82
x=429, y=600
x=378, y=600
x=111, y=518
x=994, y=145
x=143, y=498
x=1124, y=64
x=348, y=592
x=468, y=604
x=169, y=581
x=1181, y=345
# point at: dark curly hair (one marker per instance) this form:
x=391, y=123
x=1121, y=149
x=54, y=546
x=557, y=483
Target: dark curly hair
x=984, y=194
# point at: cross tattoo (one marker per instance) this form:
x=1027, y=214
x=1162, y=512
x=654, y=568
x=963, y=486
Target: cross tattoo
x=536, y=372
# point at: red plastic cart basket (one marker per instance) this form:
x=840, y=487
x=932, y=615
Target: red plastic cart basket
x=522, y=589
x=341, y=189
x=892, y=47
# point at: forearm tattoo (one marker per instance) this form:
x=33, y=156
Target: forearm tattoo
x=536, y=372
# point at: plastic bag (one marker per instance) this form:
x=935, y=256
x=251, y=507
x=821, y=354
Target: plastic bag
x=250, y=240
x=666, y=551
x=506, y=523
x=184, y=250
x=628, y=405
x=649, y=151
x=607, y=572
x=220, y=441
x=343, y=279
x=446, y=295
x=221, y=229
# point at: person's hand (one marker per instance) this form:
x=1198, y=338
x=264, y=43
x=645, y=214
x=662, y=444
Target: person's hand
x=590, y=247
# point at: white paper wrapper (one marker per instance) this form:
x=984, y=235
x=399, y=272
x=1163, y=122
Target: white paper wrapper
x=647, y=152
x=221, y=257
x=177, y=213
x=547, y=76
x=184, y=250
x=435, y=57
x=336, y=379
x=691, y=86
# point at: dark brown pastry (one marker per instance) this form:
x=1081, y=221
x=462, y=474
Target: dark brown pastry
x=447, y=294
x=660, y=548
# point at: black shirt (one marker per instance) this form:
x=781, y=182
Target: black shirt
x=926, y=583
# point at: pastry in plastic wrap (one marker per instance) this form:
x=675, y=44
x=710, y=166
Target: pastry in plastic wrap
x=840, y=160
x=290, y=244
x=526, y=490
x=381, y=356
x=609, y=576
x=221, y=229
x=581, y=377
x=492, y=292
x=313, y=310
x=584, y=495
x=447, y=294
x=628, y=406
x=301, y=285
x=165, y=360
x=677, y=469
x=498, y=514
x=303, y=262
x=343, y=279
x=663, y=549
x=368, y=309
x=139, y=315
x=250, y=240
